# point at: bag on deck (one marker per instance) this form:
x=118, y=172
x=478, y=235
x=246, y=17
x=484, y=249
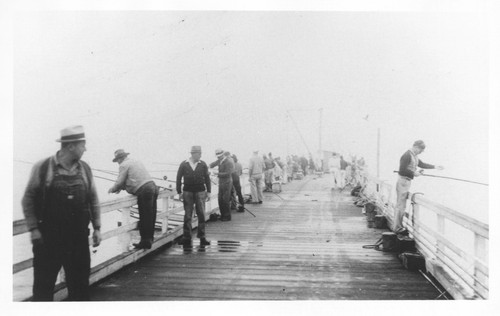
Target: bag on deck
x=355, y=191
x=413, y=261
x=406, y=243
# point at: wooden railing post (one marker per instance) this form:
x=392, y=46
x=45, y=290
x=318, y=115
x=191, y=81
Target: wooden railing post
x=440, y=231
x=124, y=239
x=480, y=254
x=164, y=210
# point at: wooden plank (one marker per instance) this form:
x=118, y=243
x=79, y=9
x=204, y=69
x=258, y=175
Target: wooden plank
x=306, y=246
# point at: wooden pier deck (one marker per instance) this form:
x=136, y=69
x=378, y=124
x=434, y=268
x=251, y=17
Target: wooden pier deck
x=304, y=244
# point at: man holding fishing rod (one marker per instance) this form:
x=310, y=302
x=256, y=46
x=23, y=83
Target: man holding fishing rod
x=407, y=171
x=134, y=178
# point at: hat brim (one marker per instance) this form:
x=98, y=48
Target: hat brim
x=70, y=140
x=121, y=156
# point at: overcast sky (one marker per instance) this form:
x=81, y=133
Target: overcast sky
x=157, y=82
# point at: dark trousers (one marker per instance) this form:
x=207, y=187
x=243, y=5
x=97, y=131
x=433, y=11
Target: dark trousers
x=48, y=260
x=196, y=199
x=225, y=186
x=147, y=196
x=237, y=189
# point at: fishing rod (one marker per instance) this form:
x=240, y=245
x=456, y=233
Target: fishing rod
x=108, y=179
x=456, y=179
x=116, y=173
x=277, y=195
x=249, y=211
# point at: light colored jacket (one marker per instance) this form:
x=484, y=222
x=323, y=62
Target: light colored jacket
x=256, y=165
x=132, y=176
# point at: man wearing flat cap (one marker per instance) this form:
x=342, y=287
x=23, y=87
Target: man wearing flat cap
x=196, y=191
x=59, y=203
x=135, y=179
x=407, y=171
x=226, y=168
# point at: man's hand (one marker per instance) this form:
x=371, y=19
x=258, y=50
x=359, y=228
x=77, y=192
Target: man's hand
x=36, y=237
x=96, y=237
x=208, y=197
x=181, y=198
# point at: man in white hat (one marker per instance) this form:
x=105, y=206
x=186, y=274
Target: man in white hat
x=196, y=191
x=135, y=179
x=59, y=203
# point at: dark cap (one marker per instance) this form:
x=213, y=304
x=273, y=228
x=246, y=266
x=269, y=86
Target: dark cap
x=419, y=143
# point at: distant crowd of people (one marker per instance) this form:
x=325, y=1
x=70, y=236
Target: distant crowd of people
x=345, y=173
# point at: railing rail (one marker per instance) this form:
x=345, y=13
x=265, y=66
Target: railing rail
x=168, y=208
x=454, y=245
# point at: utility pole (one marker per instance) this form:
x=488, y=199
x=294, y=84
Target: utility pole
x=287, y=137
x=378, y=153
x=320, y=127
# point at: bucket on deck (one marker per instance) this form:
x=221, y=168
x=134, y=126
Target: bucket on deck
x=276, y=187
x=370, y=211
x=390, y=242
x=380, y=221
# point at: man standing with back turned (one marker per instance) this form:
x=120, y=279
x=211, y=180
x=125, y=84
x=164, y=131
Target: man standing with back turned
x=134, y=178
x=59, y=202
x=256, y=167
x=196, y=191
x=226, y=168
x=407, y=170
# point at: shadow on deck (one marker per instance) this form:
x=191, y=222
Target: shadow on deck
x=305, y=244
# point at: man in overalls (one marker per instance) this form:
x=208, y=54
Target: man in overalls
x=59, y=202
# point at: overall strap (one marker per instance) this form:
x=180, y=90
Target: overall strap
x=41, y=195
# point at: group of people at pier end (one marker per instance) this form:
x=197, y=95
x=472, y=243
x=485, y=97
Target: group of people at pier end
x=60, y=200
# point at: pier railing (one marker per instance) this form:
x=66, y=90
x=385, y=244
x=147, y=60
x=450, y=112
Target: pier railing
x=123, y=232
x=454, y=245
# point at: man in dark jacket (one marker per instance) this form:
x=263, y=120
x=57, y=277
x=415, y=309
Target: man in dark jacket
x=407, y=171
x=196, y=191
x=226, y=167
x=238, y=171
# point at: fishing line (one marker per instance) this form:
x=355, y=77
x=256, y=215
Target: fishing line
x=450, y=178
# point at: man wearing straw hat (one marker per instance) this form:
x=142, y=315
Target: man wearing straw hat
x=196, y=191
x=59, y=203
x=135, y=179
